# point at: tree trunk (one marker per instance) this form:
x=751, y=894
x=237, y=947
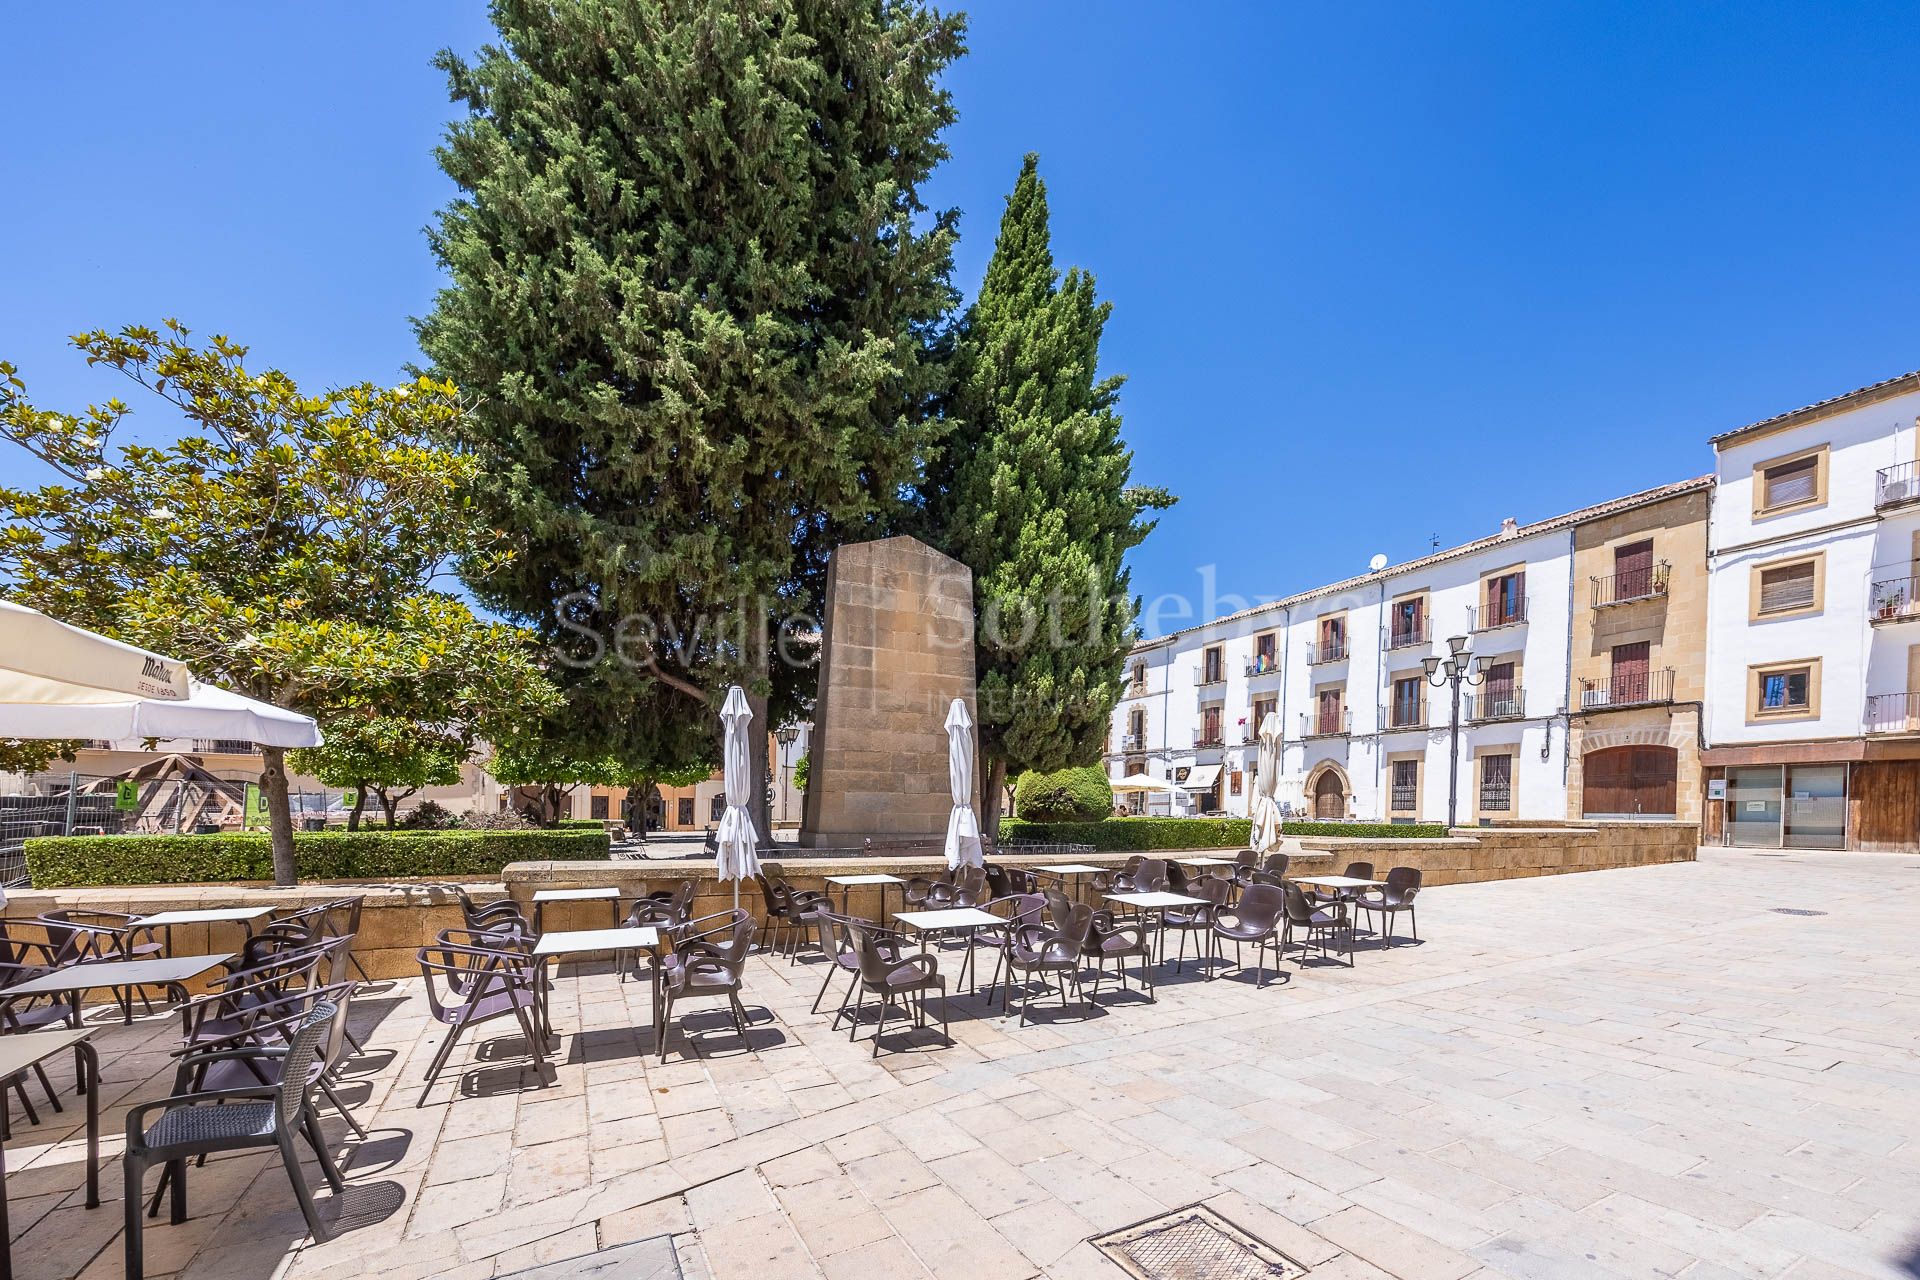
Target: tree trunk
x=637, y=808
x=273, y=785
x=359, y=806
x=761, y=806
x=996, y=786
x=389, y=804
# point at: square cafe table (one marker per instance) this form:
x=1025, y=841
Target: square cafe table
x=170, y=972
x=1071, y=872
x=1205, y=862
x=569, y=942
x=1159, y=902
x=846, y=884
x=968, y=920
x=165, y=920
x=542, y=897
x=23, y=1052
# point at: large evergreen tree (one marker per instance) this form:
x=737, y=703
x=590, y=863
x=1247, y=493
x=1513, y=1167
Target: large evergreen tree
x=695, y=289
x=1033, y=494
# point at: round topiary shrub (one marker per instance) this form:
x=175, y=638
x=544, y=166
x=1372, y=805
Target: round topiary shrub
x=1068, y=795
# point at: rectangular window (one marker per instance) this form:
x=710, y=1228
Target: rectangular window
x=1406, y=701
x=1496, y=784
x=1633, y=570
x=1137, y=726
x=1506, y=600
x=1407, y=624
x=1788, y=588
x=1784, y=690
x=1406, y=785
x=597, y=808
x=1791, y=482
x=1262, y=708
x=1233, y=782
x=1328, y=718
x=683, y=812
x=718, y=808
x=1501, y=691
x=1630, y=671
x=1264, y=653
x=1213, y=667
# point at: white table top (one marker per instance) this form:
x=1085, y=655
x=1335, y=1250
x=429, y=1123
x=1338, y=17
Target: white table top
x=875, y=878
x=1338, y=882
x=573, y=895
x=1071, y=869
x=1157, y=899
x=1206, y=862
x=567, y=941
x=17, y=1053
x=950, y=918
x=118, y=973
x=214, y=916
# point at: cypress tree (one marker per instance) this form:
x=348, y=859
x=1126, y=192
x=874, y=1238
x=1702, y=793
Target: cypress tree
x=1032, y=492
x=696, y=293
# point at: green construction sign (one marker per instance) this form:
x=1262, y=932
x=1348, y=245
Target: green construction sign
x=126, y=795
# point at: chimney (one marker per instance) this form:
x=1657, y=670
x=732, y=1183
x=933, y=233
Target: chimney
x=1509, y=527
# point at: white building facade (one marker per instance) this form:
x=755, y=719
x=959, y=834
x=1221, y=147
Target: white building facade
x=1813, y=645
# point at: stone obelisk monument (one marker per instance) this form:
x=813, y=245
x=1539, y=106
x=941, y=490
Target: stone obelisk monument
x=896, y=649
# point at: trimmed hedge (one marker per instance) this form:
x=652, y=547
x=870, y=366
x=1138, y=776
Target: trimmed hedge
x=1133, y=835
x=1066, y=795
x=78, y=862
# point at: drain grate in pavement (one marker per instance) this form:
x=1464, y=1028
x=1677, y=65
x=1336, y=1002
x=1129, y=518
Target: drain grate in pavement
x=1795, y=911
x=1194, y=1243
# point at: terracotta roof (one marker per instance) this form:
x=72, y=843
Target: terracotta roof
x=1568, y=520
x=1888, y=387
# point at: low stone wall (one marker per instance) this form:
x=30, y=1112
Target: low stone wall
x=400, y=917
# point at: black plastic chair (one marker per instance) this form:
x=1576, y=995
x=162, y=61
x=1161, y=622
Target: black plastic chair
x=891, y=975
x=1049, y=954
x=199, y=1124
x=789, y=910
x=1402, y=887
x=483, y=982
x=1354, y=871
x=1255, y=919
x=1119, y=943
x=1317, y=923
x=707, y=963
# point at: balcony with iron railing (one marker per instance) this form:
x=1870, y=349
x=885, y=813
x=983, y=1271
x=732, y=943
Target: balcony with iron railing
x=1203, y=739
x=1501, y=704
x=1491, y=617
x=1326, y=651
x=1630, y=585
x=224, y=746
x=1897, y=485
x=1496, y=797
x=1205, y=675
x=1263, y=664
x=1317, y=724
x=1400, y=715
x=1627, y=690
x=1893, y=713
x=1895, y=600
x=1408, y=637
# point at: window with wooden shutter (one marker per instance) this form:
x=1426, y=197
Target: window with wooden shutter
x=1633, y=571
x=1406, y=701
x=1785, y=588
x=1791, y=481
x=1629, y=675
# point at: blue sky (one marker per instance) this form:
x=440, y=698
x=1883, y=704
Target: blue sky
x=1380, y=272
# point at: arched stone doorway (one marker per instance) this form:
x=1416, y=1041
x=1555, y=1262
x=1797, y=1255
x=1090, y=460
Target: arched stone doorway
x=1327, y=792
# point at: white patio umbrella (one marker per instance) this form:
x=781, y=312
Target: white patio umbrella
x=1265, y=809
x=58, y=681
x=1145, y=782
x=963, y=827
x=736, y=855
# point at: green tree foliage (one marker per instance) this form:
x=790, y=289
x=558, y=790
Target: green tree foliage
x=31, y=755
x=541, y=757
x=697, y=292
x=1077, y=794
x=285, y=546
x=801, y=768
x=384, y=757
x=1033, y=495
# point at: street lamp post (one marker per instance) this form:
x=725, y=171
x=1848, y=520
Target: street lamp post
x=785, y=736
x=1457, y=668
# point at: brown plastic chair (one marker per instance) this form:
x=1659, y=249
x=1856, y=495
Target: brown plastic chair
x=890, y=975
x=1120, y=943
x=1120, y=881
x=1033, y=950
x=1255, y=919
x=1354, y=871
x=1317, y=923
x=789, y=910
x=1195, y=919
x=1402, y=887
x=706, y=963
x=483, y=982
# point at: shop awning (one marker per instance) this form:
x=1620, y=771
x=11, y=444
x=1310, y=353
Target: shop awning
x=1202, y=777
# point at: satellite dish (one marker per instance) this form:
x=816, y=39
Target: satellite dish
x=1378, y=563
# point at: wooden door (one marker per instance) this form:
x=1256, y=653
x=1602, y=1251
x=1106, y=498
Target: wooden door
x=1629, y=673
x=1633, y=571
x=1630, y=780
x=1499, y=689
x=1329, y=712
x=1329, y=801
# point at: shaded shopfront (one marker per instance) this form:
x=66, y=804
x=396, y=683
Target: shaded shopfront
x=1869, y=799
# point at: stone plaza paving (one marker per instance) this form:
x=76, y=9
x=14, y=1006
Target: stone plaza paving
x=1649, y=1072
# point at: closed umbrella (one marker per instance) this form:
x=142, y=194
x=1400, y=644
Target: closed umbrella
x=736, y=856
x=58, y=681
x=963, y=828
x=1265, y=810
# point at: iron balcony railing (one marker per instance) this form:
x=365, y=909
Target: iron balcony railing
x=1204, y=675
x=1263, y=664
x=1630, y=585
x=1510, y=704
x=1632, y=690
x=1204, y=738
x=1405, y=798
x=1496, y=797
x=1895, y=600
x=1327, y=651
x=1490, y=617
x=1315, y=724
x=224, y=746
x=1897, y=485
x=1893, y=713
x=1408, y=637
x=1399, y=715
